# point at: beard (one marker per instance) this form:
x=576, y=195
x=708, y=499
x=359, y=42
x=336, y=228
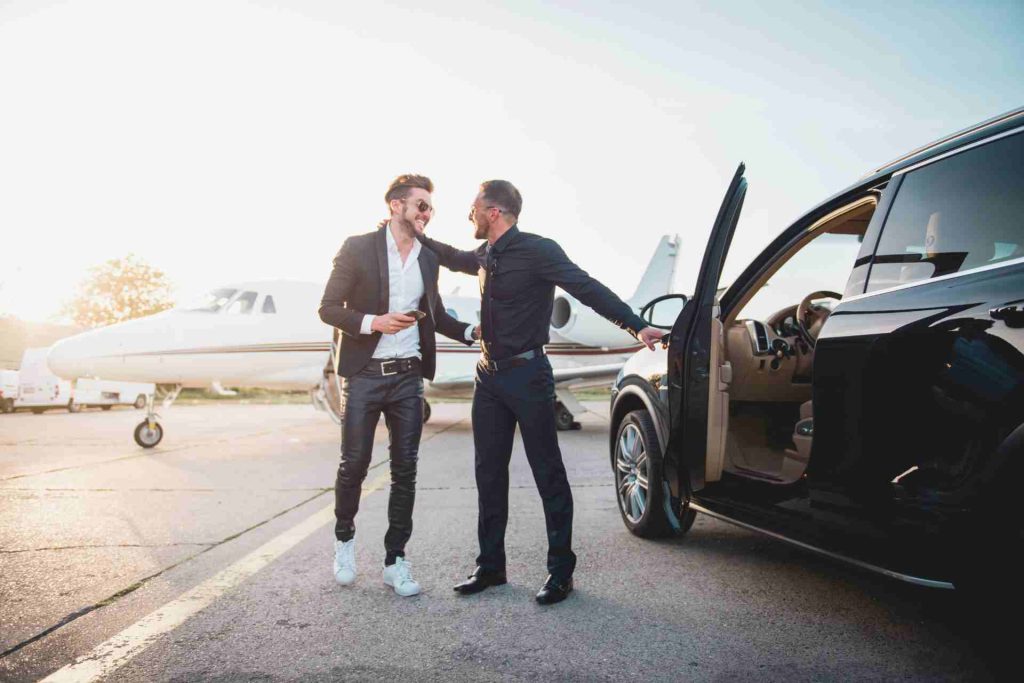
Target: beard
x=407, y=223
x=482, y=226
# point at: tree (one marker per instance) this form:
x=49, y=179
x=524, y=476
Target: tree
x=117, y=290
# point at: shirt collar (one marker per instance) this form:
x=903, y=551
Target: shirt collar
x=507, y=238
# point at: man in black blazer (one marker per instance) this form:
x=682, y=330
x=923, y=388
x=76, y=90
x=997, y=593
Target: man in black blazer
x=518, y=272
x=378, y=278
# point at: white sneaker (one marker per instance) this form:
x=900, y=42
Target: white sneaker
x=345, y=561
x=398, y=576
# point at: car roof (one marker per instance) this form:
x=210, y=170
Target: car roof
x=978, y=131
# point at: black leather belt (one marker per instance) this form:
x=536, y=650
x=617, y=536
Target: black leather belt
x=510, y=362
x=393, y=366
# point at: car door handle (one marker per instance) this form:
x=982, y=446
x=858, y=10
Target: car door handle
x=1013, y=316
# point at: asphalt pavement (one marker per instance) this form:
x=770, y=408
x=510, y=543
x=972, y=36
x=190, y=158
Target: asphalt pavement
x=209, y=558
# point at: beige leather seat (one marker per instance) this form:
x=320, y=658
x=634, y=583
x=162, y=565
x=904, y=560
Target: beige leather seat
x=803, y=433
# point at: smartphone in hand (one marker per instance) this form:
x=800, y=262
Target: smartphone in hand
x=419, y=315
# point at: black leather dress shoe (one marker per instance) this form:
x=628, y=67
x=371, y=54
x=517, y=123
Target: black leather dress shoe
x=554, y=590
x=481, y=579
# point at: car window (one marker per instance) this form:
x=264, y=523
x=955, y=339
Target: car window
x=959, y=213
x=268, y=305
x=243, y=304
x=822, y=264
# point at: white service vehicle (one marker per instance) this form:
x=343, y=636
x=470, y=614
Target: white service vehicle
x=38, y=388
x=8, y=390
x=105, y=393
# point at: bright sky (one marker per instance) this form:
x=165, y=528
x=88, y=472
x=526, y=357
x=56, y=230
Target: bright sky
x=223, y=140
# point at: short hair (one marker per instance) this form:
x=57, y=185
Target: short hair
x=503, y=194
x=403, y=184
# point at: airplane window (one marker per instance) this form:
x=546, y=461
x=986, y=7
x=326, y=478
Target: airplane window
x=213, y=301
x=243, y=304
x=268, y=305
x=452, y=313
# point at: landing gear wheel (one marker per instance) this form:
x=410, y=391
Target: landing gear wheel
x=638, y=479
x=74, y=407
x=140, y=402
x=426, y=411
x=564, y=420
x=146, y=437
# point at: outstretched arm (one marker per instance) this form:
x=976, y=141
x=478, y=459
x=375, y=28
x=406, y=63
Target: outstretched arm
x=451, y=258
x=555, y=267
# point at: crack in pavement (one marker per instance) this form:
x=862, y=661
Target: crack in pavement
x=143, y=454
x=141, y=582
x=115, y=545
x=203, y=490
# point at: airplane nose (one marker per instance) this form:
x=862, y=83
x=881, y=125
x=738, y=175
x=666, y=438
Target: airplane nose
x=66, y=358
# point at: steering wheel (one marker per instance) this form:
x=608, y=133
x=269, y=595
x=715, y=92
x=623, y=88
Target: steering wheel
x=810, y=317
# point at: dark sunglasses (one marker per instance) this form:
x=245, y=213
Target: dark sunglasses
x=423, y=207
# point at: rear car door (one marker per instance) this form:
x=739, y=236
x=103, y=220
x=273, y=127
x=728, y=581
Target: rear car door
x=920, y=377
x=689, y=354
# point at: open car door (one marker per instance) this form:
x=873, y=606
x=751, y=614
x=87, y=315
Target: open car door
x=690, y=353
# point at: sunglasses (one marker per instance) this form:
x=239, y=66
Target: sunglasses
x=423, y=207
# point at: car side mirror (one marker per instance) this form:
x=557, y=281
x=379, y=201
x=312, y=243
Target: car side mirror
x=662, y=312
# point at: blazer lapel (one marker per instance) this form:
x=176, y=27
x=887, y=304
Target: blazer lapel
x=381, y=242
x=428, y=269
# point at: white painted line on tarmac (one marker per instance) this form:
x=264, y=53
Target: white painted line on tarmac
x=118, y=650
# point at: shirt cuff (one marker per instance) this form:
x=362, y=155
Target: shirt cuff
x=366, y=327
x=469, y=333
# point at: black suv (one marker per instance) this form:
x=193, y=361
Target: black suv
x=859, y=389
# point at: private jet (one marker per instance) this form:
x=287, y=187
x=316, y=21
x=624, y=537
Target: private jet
x=266, y=334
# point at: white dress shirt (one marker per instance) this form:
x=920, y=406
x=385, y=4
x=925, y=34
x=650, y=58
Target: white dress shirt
x=405, y=289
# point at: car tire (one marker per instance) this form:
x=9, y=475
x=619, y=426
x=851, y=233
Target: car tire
x=38, y=411
x=636, y=467
x=7, y=406
x=106, y=407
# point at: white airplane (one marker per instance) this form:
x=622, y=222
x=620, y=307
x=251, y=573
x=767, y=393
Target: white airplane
x=266, y=334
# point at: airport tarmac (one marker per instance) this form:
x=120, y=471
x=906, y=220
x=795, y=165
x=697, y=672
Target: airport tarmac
x=209, y=559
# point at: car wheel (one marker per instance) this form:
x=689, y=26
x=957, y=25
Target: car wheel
x=106, y=407
x=38, y=411
x=7, y=406
x=638, y=479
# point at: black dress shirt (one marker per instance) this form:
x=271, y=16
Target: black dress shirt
x=518, y=275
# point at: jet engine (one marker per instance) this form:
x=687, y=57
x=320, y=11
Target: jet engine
x=579, y=324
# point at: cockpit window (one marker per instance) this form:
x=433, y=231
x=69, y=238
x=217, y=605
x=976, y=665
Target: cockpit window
x=213, y=301
x=268, y=305
x=243, y=304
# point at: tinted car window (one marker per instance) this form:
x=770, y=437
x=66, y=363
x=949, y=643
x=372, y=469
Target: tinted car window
x=961, y=212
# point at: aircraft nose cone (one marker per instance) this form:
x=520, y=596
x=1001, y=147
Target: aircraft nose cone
x=66, y=359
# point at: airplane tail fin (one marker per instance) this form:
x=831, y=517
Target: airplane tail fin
x=660, y=273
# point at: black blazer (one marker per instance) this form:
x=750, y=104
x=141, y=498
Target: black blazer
x=359, y=286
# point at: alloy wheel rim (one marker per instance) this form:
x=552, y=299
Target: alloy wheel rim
x=631, y=473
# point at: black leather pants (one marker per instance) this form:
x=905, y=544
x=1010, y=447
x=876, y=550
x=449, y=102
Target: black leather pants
x=400, y=398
